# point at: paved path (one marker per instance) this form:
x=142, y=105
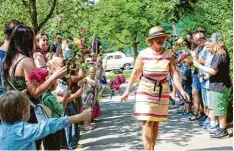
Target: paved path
x=118, y=130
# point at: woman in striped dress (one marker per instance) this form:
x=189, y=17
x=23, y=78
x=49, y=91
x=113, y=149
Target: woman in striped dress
x=152, y=67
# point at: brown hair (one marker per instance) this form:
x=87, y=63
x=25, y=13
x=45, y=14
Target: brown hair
x=9, y=26
x=12, y=105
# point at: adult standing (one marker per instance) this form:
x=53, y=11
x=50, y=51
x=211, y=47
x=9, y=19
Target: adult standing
x=200, y=55
x=8, y=28
x=18, y=64
x=152, y=97
x=56, y=47
x=42, y=48
x=219, y=85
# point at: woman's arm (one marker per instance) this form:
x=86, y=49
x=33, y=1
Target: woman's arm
x=36, y=89
x=39, y=59
x=208, y=70
x=136, y=73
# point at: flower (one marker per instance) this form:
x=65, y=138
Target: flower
x=38, y=75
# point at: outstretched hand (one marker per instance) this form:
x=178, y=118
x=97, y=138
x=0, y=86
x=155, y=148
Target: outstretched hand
x=185, y=95
x=125, y=96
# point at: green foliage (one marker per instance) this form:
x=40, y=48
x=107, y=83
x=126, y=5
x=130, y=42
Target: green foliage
x=214, y=16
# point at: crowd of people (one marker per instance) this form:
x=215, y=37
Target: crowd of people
x=196, y=71
x=209, y=86
x=33, y=74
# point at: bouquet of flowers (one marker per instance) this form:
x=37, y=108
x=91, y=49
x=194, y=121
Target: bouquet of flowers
x=39, y=75
x=116, y=82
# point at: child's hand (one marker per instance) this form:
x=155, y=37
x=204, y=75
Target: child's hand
x=80, y=91
x=86, y=115
x=65, y=98
x=201, y=80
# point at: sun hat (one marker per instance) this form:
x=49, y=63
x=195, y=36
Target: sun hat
x=216, y=37
x=157, y=31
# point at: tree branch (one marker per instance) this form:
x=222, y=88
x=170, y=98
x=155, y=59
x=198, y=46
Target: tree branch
x=48, y=16
x=27, y=6
x=33, y=14
x=118, y=39
x=68, y=28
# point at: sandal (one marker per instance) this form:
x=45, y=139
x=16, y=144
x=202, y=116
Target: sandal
x=193, y=117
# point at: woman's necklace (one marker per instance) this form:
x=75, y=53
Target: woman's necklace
x=159, y=51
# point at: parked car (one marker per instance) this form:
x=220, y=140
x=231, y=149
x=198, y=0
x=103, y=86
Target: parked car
x=117, y=60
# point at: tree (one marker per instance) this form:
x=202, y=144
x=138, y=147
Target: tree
x=128, y=21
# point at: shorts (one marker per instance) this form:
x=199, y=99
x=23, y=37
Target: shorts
x=196, y=83
x=204, y=97
x=220, y=102
x=208, y=98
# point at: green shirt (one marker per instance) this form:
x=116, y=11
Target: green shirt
x=51, y=102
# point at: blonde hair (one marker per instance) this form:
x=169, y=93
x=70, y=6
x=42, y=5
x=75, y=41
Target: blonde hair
x=218, y=48
x=54, y=62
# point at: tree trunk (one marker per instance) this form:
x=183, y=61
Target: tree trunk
x=135, y=50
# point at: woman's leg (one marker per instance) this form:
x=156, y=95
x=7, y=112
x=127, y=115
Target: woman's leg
x=155, y=133
x=147, y=134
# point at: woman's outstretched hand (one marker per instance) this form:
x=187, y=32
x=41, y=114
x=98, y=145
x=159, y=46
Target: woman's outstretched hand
x=124, y=97
x=60, y=73
x=185, y=95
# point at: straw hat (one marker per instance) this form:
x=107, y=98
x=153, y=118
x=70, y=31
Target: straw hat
x=157, y=31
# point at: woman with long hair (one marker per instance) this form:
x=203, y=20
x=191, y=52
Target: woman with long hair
x=219, y=86
x=42, y=48
x=18, y=64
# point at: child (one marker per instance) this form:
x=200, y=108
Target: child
x=186, y=81
x=100, y=72
x=91, y=88
x=72, y=132
x=17, y=134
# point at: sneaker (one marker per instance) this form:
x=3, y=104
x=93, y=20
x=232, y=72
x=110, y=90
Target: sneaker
x=201, y=123
x=214, y=132
x=202, y=119
x=222, y=133
x=213, y=128
x=186, y=114
x=205, y=126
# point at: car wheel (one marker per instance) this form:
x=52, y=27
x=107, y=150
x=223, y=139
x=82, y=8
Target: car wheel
x=127, y=66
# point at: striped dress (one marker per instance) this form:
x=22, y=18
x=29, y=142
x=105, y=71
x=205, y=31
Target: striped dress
x=149, y=105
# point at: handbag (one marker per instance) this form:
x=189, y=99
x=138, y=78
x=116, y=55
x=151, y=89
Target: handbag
x=41, y=111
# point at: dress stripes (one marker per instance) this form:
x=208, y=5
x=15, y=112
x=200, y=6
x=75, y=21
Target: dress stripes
x=149, y=105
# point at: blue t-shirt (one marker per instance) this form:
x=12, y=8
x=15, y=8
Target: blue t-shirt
x=209, y=58
x=2, y=55
x=22, y=135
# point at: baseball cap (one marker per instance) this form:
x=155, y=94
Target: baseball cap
x=216, y=37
